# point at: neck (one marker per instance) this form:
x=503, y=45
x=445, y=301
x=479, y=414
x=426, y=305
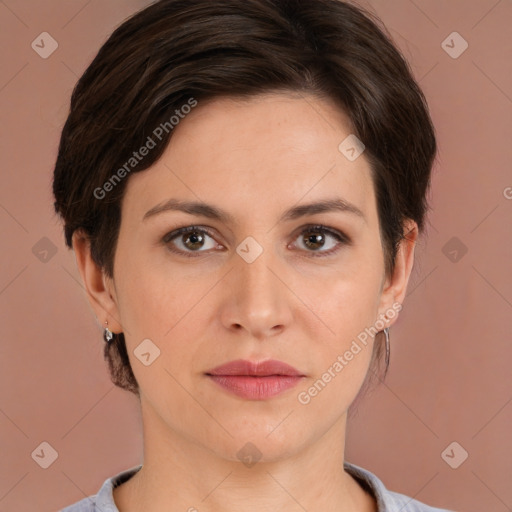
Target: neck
x=179, y=474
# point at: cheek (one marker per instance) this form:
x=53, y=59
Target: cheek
x=146, y=305
x=349, y=316
x=160, y=301
x=347, y=305
x=344, y=352
x=346, y=299
x=167, y=312
x=155, y=306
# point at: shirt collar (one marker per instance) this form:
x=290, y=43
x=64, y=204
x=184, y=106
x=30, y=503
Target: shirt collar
x=370, y=482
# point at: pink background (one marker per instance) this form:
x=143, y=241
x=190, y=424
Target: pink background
x=450, y=377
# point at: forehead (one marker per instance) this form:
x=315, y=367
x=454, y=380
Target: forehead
x=301, y=122
x=257, y=153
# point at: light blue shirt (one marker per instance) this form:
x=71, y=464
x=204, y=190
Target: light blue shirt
x=387, y=501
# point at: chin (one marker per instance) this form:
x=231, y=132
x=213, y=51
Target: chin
x=259, y=445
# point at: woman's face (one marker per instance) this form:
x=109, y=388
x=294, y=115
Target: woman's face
x=259, y=282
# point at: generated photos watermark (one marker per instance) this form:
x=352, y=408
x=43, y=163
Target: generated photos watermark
x=357, y=345
x=138, y=156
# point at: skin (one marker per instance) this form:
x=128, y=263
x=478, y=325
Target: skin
x=254, y=159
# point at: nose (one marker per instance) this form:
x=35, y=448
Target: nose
x=258, y=299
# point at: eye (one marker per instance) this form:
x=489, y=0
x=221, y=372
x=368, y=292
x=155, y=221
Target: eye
x=315, y=239
x=189, y=239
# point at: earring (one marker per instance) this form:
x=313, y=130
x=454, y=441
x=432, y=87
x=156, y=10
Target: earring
x=386, y=333
x=107, y=334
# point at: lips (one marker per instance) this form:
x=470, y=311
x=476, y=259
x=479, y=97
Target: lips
x=255, y=380
x=256, y=369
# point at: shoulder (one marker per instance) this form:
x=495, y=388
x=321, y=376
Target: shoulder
x=86, y=505
x=403, y=503
x=103, y=501
x=387, y=501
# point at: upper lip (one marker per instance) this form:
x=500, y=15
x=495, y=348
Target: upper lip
x=254, y=368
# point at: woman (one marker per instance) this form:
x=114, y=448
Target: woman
x=248, y=278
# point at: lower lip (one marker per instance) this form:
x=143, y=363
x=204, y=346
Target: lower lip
x=256, y=388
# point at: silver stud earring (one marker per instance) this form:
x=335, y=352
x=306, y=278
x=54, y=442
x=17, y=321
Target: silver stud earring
x=107, y=334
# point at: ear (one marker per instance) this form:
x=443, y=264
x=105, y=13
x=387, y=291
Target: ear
x=395, y=286
x=99, y=287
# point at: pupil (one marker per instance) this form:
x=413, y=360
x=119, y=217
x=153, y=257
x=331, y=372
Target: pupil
x=195, y=238
x=314, y=239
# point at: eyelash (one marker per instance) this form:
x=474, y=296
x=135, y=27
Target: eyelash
x=340, y=237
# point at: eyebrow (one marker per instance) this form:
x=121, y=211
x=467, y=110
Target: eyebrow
x=212, y=212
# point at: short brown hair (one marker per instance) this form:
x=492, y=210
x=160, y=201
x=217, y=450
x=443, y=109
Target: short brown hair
x=175, y=50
